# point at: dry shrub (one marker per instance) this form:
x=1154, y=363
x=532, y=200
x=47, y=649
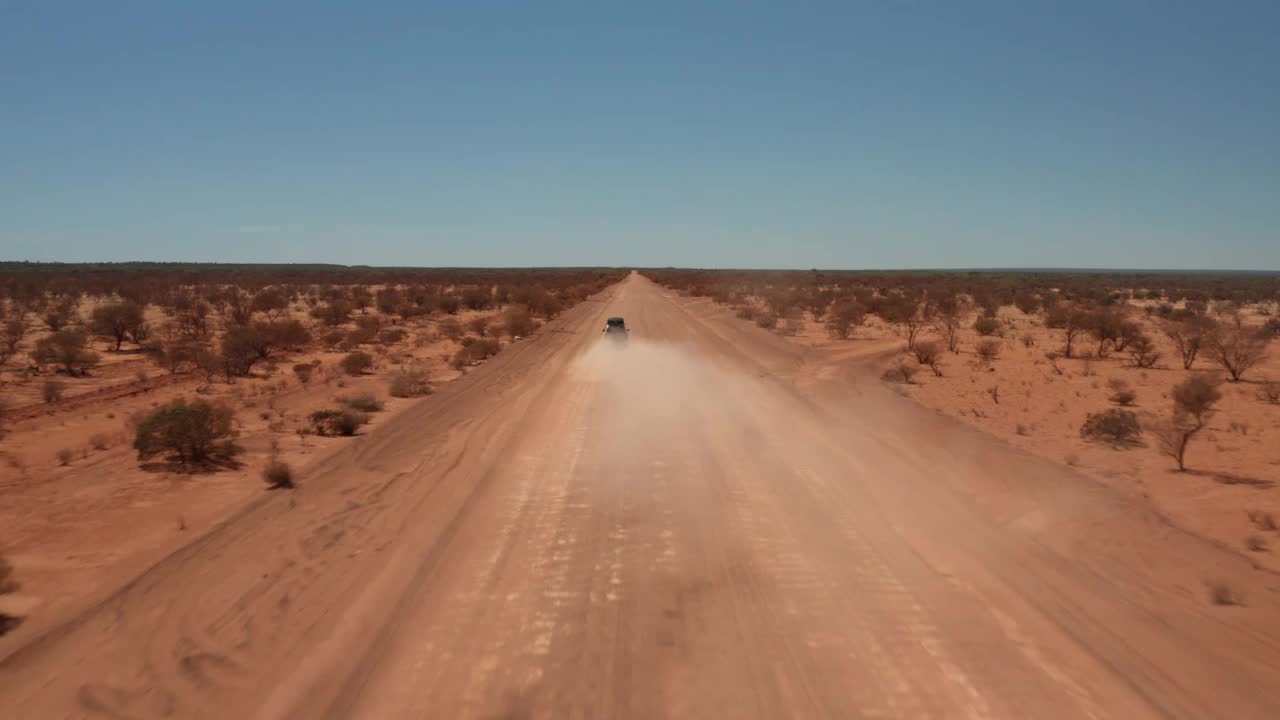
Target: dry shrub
x=7, y=585
x=1270, y=392
x=338, y=422
x=278, y=475
x=52, y=390
x=746, y=312
x=391, y=336
x=1237, y=348
x=1028, y=341
x=450, y=328
x=357, y=363
x=988, y=350
x=304, y=371
x=65, y=456
x=1121, y=394
x=1256, y=543
x=1115, y=426
x=900, y=372
x=409, y=383
x=99, y=441
x=364, y=402
x=1263, y=520
x=517, y=322
x=1143, y=351
x=475, y=351
x=1220, y=593
x=1193, y=404
x=929, y=354
x=986, y=326
x=767, y=320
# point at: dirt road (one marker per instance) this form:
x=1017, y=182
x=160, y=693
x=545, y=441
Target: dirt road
x=709, y=523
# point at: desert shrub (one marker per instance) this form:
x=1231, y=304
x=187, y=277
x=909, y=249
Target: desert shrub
x=338, y=422
x=67, y=349
x=478, y=325
x=1121, y=394
x=791, y=327
x=474, y=351
x=767, y=320
x=1028, y=341
x=357, y=363
x=333, y=338
x=371, y=323
x=1114, y=426
x=304, y=371
x=1270, y=392
x=391, y=336
x=843, y=316
x=409, y=383
x=745, y=312
x=364, y=402
x=929, y=354
x=192, y=432
x=900, y=372
x=517, y=322
x=1220, y=593
x=359, y=336
x=334, y=312
x=988, y=350
x=1255, y=543
x=65, y=456
x=52, y=390
x=986, y=326
x=450, y=328
x=278, y=475
x=1263, y=520
x=99, y=441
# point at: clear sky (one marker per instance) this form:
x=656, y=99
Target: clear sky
x=882, y=134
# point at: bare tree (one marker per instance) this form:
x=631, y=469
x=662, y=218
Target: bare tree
x=948, y=322
x=1236, y=348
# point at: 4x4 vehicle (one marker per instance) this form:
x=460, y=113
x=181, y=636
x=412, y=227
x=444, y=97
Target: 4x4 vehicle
x=615, y=328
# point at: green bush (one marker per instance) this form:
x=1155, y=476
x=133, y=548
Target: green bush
x=191, y=432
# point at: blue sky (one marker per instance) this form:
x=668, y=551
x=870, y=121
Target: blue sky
x=957, y=133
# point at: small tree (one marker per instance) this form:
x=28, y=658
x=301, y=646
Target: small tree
x=117, y=321
x=949, y=319
x=1143, y=352
x=1193, y=404
x=1187, y=337
x=192, y=432
x=1236, y=348
x=68, y=349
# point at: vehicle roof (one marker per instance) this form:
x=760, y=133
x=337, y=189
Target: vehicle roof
x=614, y=320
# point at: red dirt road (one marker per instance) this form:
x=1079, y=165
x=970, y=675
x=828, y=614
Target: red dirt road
x=709, y=523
